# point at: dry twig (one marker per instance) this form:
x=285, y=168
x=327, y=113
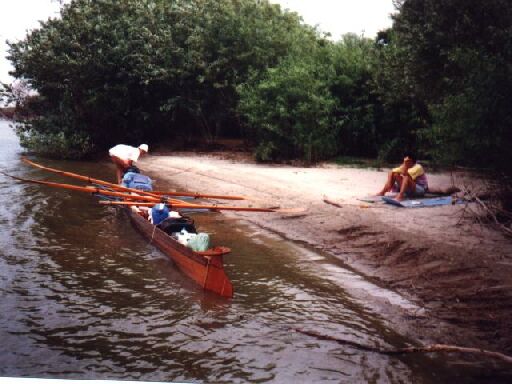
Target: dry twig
x=327, y=201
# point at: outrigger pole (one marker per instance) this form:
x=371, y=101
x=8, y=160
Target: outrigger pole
x=156, y=194
x=96, y=190
x=148, y=201
x=204, y=206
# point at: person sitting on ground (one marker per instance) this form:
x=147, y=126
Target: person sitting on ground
x=409, y=179
x=124, y=157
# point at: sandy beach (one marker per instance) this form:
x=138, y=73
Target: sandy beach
x=455, y=272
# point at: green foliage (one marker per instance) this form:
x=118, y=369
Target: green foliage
x=343, y=94
x=438, y=82
x=400, y=113
x=457, y=56
x=124, y=71
x=55, y=144
x=290, y=110
x=315, y=104
x=351, y=88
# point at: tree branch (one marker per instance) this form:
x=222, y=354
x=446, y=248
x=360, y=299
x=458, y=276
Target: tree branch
x=443, y=348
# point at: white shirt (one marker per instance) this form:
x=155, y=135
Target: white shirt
x=125, y=152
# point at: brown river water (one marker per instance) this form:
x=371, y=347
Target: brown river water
x=84, y=296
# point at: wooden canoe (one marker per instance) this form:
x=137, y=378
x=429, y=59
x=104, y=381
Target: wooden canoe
x=205, y=268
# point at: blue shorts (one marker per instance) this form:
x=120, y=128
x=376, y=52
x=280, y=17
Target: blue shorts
x=419, y=192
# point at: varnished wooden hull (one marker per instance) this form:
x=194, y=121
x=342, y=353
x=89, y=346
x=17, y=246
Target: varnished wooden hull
x=207, y=271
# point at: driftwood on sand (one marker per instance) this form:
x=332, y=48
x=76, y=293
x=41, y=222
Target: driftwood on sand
x=330, y=202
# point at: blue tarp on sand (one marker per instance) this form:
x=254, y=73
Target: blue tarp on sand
x=422, y=203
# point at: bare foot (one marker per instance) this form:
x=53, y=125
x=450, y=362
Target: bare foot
x=399, y=197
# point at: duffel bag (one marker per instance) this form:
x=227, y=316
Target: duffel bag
x=137, y=181
x=176, y=224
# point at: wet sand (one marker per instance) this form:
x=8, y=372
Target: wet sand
x=454, y=275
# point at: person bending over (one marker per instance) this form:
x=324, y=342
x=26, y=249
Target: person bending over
x=124, y=156
x=409, y=179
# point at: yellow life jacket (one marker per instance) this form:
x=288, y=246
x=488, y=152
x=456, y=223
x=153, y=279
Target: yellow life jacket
x=415, y=171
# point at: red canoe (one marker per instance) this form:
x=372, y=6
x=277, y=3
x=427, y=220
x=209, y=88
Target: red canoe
x=205, y=268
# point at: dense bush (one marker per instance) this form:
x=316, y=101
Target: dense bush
x=457, y=57
x=112, y=71
x=289, y=109
x=438, y=82
x=348, y=98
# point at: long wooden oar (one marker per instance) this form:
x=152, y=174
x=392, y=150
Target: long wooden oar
x=96, y=190
x=211, y=207
x=126, y=189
